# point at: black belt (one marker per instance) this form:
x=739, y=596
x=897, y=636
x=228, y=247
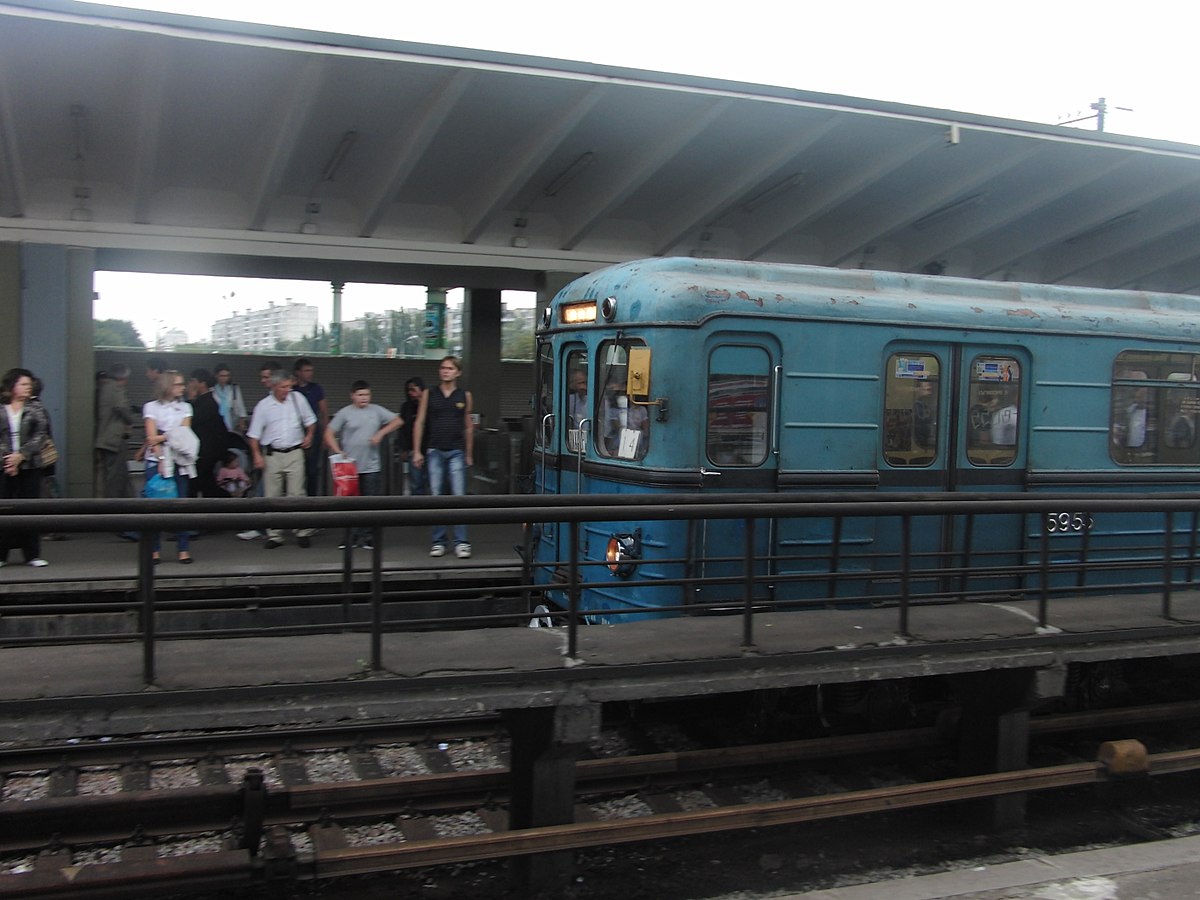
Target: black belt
x=271, y=450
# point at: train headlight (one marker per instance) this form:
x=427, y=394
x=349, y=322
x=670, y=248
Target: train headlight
x=583, y=313
x=547, y=317
x=623, y=553
x=608, y=308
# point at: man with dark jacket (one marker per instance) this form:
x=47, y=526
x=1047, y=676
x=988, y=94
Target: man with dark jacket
x=115, y=419
x=210, y=430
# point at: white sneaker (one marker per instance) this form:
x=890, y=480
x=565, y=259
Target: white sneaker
x=437, y=550
x=37, y=563
x=252, y=535
x=463, y=550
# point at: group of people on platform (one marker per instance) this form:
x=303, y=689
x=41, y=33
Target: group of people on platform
x=199, y=439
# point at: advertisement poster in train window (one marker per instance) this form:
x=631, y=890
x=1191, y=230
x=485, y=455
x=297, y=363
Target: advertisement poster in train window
x=738, y=396
x=910, y=415
x=993, y=413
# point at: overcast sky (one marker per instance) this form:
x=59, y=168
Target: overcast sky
x=1041, y=61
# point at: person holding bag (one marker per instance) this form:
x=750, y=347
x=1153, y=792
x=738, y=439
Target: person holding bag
x=356, y=433
x=163, y=415
x=23, y=442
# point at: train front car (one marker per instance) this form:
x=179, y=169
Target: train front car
x=604, y=426
x=715, y=377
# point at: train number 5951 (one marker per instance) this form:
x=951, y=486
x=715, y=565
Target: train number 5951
x=1066, y=521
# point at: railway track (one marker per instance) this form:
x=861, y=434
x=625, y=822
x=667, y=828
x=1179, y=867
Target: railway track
x=288, y=828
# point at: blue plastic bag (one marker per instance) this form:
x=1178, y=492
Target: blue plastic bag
x=159, y=488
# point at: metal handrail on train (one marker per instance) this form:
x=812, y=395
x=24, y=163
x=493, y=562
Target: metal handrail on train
x=1172, y=562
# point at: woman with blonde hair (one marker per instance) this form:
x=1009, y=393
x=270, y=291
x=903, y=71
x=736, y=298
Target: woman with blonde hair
x=166, y=412
x=21, y=444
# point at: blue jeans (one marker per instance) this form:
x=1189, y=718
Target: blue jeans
x=447, y=466
x=417, y=480
x=370, y=484
x=181, y=486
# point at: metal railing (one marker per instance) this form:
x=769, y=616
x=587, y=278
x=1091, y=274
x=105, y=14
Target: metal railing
x=1050, y=561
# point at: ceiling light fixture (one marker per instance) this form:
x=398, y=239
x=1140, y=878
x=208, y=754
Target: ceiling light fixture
x=950, y=209
x=339, y=155
x=569, y=174
x=80, y=212
x=1108, y=225
x=768, y=194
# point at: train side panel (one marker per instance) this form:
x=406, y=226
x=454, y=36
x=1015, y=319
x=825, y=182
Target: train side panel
x=765, y=378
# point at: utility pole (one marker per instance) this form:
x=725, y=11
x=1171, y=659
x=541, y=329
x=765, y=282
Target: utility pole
x=1100, y=107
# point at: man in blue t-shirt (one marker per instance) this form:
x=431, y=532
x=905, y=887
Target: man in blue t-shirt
x=314, y=459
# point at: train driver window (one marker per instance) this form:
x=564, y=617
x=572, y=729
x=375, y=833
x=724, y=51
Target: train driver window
x=910, y=409
x=578, y=401
x=738, y=391
x=994, y=411
x=545, y=396
x=621, y=426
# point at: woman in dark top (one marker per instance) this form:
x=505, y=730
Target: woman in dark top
x=23, y=436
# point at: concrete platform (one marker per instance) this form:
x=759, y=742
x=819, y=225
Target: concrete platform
x=1164, y=869
x=77, y=689
x=83, y=562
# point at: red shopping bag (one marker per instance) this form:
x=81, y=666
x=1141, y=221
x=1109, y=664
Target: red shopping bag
x=345, y=477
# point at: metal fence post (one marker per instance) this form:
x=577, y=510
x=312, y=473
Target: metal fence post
x=1168, y=562
x=573, y=592
x=1044, y=566
x=376, y=598
x=905, y=570
x=146, y=541
x=748, y=611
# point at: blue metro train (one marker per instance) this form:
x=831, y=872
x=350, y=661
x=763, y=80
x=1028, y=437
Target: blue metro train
x=711, y=376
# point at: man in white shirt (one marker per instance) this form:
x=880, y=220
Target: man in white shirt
x=281, y=430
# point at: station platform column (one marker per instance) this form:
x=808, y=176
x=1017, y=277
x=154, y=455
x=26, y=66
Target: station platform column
x=546, y=744
x=46, y=294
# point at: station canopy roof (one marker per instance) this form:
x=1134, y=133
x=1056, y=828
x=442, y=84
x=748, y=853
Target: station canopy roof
x=146, y=134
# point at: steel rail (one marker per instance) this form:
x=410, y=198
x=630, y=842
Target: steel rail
x=26, y=823
x=419, y=854
x=136, y=876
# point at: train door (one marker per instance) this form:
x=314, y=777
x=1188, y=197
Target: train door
x=574, y=413
x=952, y=421
x=739, y=452
x=991, y=456
x=564, y=418
x=561, y=436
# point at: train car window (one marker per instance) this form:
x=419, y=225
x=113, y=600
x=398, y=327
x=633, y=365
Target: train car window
x=994, y=411
x=738, y=394
x=545, y=396
x=1155, y=405
x=579, y=408
x=910, y=409
x=621, y=426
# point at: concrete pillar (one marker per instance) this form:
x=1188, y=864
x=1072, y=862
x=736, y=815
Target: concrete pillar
x=10, y=305
x=56, y=336
x=335, y=327
x=546, y=743
x=481, y=352
x=994, y=733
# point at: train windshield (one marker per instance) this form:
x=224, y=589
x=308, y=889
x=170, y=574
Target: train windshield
x=578, y=401
x=621, y=424
x=545, y=395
